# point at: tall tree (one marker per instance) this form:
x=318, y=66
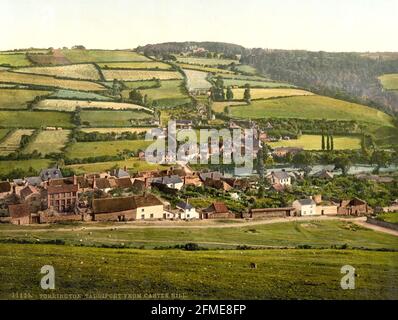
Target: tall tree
x=327, y=142
x=247, y=95
x=230, y=94
x=323, y=142
x=331, y=143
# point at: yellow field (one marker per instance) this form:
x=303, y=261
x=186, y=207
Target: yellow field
x=76, y=71
x=71, y=105
x=18, y=98
x=48, y=81
x=115, y=130
x=135, y=65
x=137, y=75
x=269, y=93
x=11, y=143
x=48, y=142
x=203, y=68
x=220, y=106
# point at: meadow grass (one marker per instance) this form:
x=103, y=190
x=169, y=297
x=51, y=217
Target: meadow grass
x=14, y=59
x=138, y=75
x=205, y=61
x=389, y=81
x=311, y=107
x=314, y=142
x=255, y=83
x=48, y=142
x=104, y=148
x=196, y=79
x=214, y=274
x=7, y=166
x=12, y=142
x=391, y=217
x=109, y=118
x=203, y=68
x=79, y=56
x=269, y=93
x=78, y=95
x=135, y=65
x=35, y=119
x=18, y=98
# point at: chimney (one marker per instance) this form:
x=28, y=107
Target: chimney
x=74, y=179
x=84, y=176
x=94, y=183
x=125, y=168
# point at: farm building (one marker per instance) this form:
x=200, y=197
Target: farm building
x=280, y=177
x=326, y=209
x=187, y=211
x=305, y=207
x=264, y=213
x=217, y=210
x=355, y=206
x=5, y=189
x=19, y=213
x=128, y=208
x=32, y=197
x=62, y=195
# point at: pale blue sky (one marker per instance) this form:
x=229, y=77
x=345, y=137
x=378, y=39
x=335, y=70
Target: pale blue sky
x=332, y=25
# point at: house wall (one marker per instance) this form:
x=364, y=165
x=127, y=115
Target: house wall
x=21, y=220
x=327, y=210
x=193, y=214
x=115, y=216
x=268, y=214
x=60, y=218
x=305, y=210
x=152, y=212
x=224, y=215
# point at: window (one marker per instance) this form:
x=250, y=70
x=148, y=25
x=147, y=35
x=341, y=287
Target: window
x=143, y=216
x=151, y=215
x=188, y=215
x=142, y=210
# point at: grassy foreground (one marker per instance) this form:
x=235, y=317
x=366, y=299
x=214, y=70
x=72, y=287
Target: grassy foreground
x=215, y=274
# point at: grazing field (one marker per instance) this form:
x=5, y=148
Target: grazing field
x=140, y=84
x=197, y=80
x=48, y=141
x=314, y=142
x=9, y=165
x=12, y=142
x=132, y=165
x=112, y=118
x=78, y=56
x=71, y=105
x=137, y=75
x=135, y=65
x=82, y=150
x=116, y=130
x=242, y=77
x=256, y=83
x=3, y=133
x=389, y=81
x=35, y=119
x=78, y=95
x=75, y=71
x=391, y=217
x=205, y=61
x=202, y=68
x=246, y=69
x=213, y=274
x=170, y=93
x=14, y=60
x=269, y=93
x=311, y=107
x=48, y=81
x=18, y=98
x=220, y=106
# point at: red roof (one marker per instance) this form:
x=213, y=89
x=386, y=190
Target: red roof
x=62, y=188
x=18, y=210
x=217, y=207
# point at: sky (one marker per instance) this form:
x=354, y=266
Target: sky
x=329, y=25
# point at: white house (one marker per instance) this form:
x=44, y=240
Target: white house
x=172, y=182
x=305, y=207
x=187, y=212
x=281, y=178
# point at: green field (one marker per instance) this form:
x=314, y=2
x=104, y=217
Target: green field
x=246, y=69
x=3, y=133
x=391, y=217
x=12, y=142
x=78, y=95
x=111, y=118
x=138, y=75
x=133, y=165
x=140, y=84
x=203, y=68
x=18, y=98
x=389, y=81
x=314, y=142
x=35, y=119
x=214, y=274
x=256, y=83
x=135, y=65
x=257, y=93
x=311, y=107
x=14, y=60
x=78, y=56
x=9, y=165
x=205, y=61
x=48, y=142
x=104, y=148
x=196, y=79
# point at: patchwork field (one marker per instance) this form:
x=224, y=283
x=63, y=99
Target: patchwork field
x=112, y=118
x=314, y=142
x=132, y=165
x=256, y=83
x=196, y=79
x=137, y=75
x=280, y=274
x=202, y=68
x=14, y=60
x=389, y=81
x=35, y=119
x=116, y=130
x=220, y=106
x=3, y=133
x=205, y=61
x=76, y=71
x=48, y=141
x=246, y=69
x=71, y=105
x=8, y=166
x=48, y=81
x=135, y=65
x=12, y=142
x=81, y=150
x=78, y=56
x=78, y=95
x=140, y=84
x=269, y=93
x=18, y=98
x=311, y=107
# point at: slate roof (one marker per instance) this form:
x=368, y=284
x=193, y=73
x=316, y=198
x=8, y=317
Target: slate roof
x=34, y=181
x=120, y=173
x=52, y=173
x=306, y=202
x=184, y=206
x=168, y=180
